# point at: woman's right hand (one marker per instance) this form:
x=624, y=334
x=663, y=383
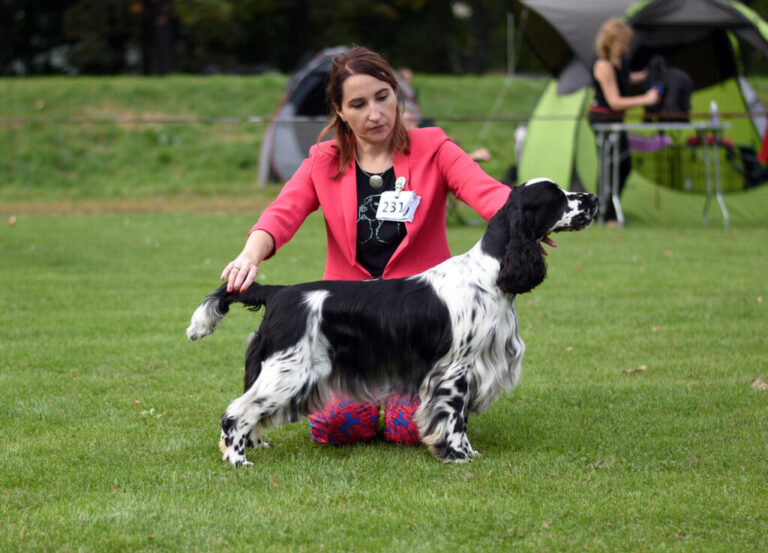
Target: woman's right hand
x=241, y=272
x=652, y=96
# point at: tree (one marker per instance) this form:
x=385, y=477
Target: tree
x=102, y=33
x=32, y=38
x=157, y=37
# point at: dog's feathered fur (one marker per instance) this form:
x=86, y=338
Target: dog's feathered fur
x=449, y=334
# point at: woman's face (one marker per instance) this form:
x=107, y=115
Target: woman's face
x=369, y=106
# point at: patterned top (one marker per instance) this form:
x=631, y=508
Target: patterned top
x=376, y=240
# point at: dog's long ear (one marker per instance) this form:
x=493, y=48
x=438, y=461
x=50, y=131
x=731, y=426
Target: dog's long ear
x=523, y=267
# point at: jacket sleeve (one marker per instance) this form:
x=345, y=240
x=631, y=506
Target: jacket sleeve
x=468, y=181
x=296, y=201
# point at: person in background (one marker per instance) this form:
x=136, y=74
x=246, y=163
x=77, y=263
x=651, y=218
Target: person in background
x=372, y=154
x=612, y=80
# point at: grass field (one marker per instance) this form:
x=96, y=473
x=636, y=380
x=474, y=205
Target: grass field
x=639, y=423
x=635, y=428
x=128, y=137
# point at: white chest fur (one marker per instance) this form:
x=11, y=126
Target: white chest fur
x=484, y=322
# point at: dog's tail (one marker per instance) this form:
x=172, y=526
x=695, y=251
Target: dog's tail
x=216, y=305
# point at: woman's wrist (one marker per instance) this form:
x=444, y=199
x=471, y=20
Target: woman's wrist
x=260, y=245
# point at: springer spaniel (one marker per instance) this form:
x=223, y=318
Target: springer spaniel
x=449, y=334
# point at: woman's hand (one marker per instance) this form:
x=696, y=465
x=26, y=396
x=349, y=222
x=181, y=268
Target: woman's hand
x=241, y=272
x=652, y=96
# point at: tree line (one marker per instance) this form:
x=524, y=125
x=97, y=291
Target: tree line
x=157, y=37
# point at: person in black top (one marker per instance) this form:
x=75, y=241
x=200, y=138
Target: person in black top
x=612, y=79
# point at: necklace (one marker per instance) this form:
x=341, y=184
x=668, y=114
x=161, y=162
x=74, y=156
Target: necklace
x=374, y=179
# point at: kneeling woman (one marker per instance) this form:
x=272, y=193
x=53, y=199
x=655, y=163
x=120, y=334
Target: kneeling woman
x=372, y=154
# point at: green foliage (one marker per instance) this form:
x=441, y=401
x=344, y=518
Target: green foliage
x=634, y=428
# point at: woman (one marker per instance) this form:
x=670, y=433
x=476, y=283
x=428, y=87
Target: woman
x=612, y=79
x=371, y=154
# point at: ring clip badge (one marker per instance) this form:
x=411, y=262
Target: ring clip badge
x=399, y=205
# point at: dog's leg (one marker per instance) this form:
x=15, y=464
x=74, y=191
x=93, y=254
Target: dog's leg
x=442, y=416
x=241, y=422
x=254, y=441
x=280, y=395
x=232, y=442
x=240, y=425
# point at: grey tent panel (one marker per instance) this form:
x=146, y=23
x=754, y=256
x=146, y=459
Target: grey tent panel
x=301, y=116
x=559, y=30
x=292, y=140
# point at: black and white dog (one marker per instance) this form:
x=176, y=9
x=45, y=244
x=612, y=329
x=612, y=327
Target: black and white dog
x=449, y=334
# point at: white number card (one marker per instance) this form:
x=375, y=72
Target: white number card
x=398, y=206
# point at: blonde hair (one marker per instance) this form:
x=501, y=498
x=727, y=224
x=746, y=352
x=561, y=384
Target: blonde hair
x=613, y=39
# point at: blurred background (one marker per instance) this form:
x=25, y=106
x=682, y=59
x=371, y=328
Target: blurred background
x=82, y=116
x=156, y=37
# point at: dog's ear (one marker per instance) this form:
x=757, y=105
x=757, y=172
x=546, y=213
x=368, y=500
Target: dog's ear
x=522, y=267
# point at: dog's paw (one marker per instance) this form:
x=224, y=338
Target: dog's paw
x=460, y=461
x=236, y=460
x=472, y=452
x=254, y=441
x=456, y=456
x=461, y=454
x=250, y=444
x=233, y=445
x=234, y=456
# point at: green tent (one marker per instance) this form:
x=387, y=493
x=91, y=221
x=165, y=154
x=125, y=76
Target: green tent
x=703, y=38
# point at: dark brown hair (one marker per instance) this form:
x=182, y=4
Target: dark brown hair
x=358, y=60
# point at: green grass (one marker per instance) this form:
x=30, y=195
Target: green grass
x=471, y=96
x=635, y=426
x=49, y=152
x=109, y=415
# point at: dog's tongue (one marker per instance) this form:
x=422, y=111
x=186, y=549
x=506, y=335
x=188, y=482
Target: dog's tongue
x=549, y=242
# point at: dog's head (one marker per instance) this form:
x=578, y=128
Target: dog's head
x=533, y=211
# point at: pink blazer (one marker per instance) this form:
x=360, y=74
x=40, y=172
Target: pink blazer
x=434, y=167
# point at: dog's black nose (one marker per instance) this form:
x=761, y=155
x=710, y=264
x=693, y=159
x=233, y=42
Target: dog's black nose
x=589, y=203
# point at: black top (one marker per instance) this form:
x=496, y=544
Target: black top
x=376, y=240
x=622, y=81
